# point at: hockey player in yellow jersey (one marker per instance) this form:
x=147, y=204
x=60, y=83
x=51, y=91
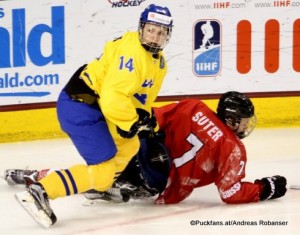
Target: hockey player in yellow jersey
x=102, y=108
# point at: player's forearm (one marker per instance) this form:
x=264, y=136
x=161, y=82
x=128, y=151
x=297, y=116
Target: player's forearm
x=241, y=192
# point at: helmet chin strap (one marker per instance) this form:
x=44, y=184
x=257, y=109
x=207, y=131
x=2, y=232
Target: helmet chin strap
x=151, y=49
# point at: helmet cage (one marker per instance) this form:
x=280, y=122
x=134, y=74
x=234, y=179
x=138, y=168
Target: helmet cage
x=159, y=16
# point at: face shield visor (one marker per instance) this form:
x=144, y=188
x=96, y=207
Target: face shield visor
x=245, y=126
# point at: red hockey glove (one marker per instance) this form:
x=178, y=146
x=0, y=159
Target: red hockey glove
x=272, y=187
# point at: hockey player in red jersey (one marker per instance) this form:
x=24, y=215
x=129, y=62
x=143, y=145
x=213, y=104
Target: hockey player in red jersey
x=195, y=147
x=203, y=147
x=203, y=150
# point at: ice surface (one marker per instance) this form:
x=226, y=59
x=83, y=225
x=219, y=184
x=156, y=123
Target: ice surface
x=270, y=152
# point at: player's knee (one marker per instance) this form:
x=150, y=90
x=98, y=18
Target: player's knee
x=103, y=175
x=128, y=149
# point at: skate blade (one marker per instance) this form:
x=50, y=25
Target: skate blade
x=27, y=202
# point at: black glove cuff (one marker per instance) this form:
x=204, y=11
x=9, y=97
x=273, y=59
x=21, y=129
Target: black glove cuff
x=128, y=134
x=268, y=189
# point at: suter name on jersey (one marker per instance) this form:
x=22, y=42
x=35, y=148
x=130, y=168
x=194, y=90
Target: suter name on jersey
x=212, y=130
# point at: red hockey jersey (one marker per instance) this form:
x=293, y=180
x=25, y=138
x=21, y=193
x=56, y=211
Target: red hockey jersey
x=203, y=150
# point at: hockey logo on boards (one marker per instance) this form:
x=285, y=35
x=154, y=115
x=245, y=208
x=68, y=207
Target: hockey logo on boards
x=207, y=48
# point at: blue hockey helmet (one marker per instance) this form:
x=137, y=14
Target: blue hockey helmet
x=159, y=16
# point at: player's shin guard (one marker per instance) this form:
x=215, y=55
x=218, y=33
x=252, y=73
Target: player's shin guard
x=79, y=179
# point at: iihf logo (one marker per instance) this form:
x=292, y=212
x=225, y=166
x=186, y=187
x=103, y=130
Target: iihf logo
x=207, y=48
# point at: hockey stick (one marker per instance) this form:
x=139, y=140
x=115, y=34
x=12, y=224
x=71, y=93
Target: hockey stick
x=295, y=186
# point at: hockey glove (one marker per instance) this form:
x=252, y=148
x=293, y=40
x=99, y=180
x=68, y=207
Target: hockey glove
x=272, y=187
x=144, y=123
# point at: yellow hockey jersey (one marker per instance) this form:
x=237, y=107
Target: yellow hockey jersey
x=125, y=77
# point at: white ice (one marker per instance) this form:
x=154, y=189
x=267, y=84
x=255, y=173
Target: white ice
x=270, y=152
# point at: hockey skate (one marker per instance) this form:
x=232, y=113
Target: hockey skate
x=120, y=192
x=18, y=176
x=35, y=201
x=25, y=177
x=117, y=193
